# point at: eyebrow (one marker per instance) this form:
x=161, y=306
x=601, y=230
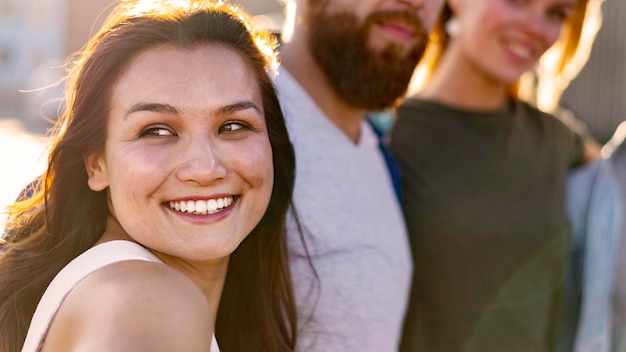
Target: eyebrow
x=233, y=108
x=154, y=107
x=168, y=109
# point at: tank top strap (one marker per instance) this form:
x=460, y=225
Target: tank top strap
x=91, y=260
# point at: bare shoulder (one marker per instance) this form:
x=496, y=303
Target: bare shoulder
x=133, y=306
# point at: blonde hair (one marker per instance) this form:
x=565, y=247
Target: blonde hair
x=544, y=85
x=565, y=59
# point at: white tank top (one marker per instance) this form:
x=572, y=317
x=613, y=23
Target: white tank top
x=78, y=269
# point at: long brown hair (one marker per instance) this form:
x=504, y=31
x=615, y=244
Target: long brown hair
x=64, y=217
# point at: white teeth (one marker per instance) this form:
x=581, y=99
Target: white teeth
x=203, y=207
x=520, y=50
x=211, y=205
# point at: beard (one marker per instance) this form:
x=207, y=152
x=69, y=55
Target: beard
x=363, y=77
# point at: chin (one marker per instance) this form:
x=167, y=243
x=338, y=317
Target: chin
x=507, y=79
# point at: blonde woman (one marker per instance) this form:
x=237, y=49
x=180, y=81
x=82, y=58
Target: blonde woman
x=484, y=174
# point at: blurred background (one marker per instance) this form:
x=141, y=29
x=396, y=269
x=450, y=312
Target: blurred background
x=36, y=36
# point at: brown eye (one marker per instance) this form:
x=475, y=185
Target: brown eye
x=233, y=126
x=558, y=15
x=157, y=131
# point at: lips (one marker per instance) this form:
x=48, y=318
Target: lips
x=398, y=29
x=201, y=206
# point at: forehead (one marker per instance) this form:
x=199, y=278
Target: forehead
x=205, y=73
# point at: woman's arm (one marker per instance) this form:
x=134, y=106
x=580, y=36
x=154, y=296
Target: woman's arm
x=133, y=306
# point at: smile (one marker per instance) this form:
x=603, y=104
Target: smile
x=201, y=207
x=520, y=50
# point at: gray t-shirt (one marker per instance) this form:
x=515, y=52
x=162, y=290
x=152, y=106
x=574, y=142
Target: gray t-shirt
x=354, y=230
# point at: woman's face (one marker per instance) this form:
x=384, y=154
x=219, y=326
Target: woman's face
x=187, y=160
x=504, y=38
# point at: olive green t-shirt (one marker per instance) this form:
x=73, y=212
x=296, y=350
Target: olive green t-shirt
x=483, y=196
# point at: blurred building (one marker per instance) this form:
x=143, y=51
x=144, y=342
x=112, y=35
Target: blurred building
x=598, y=95
x=36, y=37
x=32, y=33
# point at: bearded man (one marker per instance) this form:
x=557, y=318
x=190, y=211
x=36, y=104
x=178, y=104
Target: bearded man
x=341, y=59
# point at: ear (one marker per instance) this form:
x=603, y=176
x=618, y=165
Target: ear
x=97, y=175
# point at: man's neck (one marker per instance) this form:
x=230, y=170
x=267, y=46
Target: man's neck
x=301, y=65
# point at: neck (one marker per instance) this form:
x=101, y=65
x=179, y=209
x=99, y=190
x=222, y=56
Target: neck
x=211, y=281
x=296, y=58
x=209, y=276
x=459, y=83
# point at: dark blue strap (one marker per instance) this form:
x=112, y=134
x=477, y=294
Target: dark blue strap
x=392, y=165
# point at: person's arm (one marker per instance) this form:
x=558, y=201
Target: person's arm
x=133, y=306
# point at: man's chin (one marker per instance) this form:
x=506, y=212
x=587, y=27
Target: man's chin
x=387, y=50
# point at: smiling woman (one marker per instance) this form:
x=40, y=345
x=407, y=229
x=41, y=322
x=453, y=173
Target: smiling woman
x=191, y=134
x=484, y=176
x=164, y=200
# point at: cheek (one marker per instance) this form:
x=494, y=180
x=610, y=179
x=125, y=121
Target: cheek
x=488, y=19
x=133, y=180
x=256, y=165
x=474, y=29
x=135, y=173
x=140, y=160
x=553, y=34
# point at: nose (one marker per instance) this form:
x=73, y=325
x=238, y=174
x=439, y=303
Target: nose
x=411, y=4
x=201, y=162
x=431, y=4
x=427, y=10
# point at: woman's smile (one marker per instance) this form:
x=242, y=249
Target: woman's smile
x=202, y=206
